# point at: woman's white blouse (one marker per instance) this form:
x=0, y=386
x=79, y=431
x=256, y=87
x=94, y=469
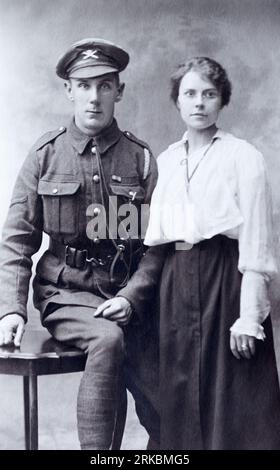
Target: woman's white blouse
x=219, y=189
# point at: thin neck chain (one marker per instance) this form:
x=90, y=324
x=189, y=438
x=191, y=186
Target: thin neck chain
x=188, y=176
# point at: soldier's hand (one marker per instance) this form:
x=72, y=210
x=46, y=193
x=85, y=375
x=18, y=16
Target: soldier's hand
x=242, y=345
x=117, y=309
x=11, y=329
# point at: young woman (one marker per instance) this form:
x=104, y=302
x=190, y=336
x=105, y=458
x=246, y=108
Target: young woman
x=210, y=234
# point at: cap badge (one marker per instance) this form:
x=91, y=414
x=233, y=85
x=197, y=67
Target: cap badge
x=90, y=54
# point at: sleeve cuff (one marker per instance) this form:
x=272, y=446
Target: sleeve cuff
x=248, y=327
x=21, y=314
x=136, y=315
x=254, y=299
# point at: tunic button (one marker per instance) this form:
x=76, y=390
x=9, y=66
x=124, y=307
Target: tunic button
x=96, y=240
x=55, y=191
x=96, y=211
x=96, y=178
x=116, y=178
x=93, y=150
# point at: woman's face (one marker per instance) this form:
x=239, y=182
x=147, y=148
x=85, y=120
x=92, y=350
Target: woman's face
x=199, y=101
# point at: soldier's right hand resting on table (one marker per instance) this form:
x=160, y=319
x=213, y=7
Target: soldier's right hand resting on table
x=11, y=329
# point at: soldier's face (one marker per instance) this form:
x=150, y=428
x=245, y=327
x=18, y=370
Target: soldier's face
x=199, y=101
x=94, y=101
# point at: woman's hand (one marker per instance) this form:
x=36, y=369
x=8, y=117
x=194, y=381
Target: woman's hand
x=117, y=309
x=242, y=345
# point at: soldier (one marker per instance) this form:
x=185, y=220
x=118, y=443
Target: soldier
x=70, y=178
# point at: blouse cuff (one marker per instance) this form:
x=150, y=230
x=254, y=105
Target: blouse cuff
x=254, y=305
x=247, y=327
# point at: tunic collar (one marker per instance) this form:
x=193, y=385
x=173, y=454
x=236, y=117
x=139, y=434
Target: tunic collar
x=104, y=140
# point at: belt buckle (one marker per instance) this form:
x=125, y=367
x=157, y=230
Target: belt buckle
x=75, y=258
x=70, y=256
x=81, y=259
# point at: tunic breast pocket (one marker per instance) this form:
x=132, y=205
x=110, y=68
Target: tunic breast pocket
x=128, y=193
x=60, y=206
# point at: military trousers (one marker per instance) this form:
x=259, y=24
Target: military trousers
x=103, y=341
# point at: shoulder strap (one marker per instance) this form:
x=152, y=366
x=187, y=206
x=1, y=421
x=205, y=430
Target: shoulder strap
x=147, y=152
x=48, y=137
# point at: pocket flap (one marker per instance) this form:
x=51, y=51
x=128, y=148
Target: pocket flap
x=58, y=188
x=131, y=192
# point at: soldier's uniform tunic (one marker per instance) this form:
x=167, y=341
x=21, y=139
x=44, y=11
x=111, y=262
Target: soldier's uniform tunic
x=65, y=173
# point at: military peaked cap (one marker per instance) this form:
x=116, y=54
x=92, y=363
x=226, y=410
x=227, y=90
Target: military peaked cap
x=91, y=57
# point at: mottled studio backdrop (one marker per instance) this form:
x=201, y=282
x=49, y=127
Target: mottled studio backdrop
x=244, y=35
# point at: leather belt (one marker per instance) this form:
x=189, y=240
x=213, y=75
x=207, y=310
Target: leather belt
x=116, y=265
x=78, y=259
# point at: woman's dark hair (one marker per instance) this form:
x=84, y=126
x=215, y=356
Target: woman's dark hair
x=207, y=68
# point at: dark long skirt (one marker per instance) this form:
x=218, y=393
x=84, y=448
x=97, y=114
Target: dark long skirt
x=210, y=399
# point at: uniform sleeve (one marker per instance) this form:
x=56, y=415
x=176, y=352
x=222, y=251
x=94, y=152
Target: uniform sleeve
x=141, y=288
x=256, y=244
x=149, y=181
x=22, y=236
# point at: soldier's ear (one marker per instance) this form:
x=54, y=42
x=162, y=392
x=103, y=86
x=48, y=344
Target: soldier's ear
x=68, y=90
x=120, y=92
